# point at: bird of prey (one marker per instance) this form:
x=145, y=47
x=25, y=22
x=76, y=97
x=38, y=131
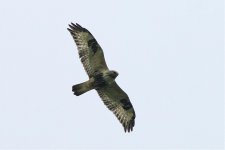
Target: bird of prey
x=100, y=77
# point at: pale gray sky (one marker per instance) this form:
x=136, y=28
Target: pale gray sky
x=169, y=54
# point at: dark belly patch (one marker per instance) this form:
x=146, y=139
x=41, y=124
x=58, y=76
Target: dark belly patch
x=99, y=80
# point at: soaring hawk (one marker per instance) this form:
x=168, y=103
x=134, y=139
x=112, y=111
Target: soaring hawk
x=100, y=77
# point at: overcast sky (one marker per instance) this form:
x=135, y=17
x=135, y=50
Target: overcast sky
x=170, y=59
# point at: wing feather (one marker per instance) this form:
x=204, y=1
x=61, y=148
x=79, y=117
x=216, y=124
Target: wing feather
x=90, y=52
x=118, y=102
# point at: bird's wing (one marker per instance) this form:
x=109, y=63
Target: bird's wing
x=90, y=52
x=118, y=102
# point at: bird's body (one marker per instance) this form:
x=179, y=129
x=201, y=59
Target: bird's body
x=100, y=77
x=98, y=81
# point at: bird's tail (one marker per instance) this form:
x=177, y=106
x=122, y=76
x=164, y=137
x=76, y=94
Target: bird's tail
x=82, y=88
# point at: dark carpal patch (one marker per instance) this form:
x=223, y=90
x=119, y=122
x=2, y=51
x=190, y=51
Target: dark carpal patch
x=93, y=45
x=126, y=104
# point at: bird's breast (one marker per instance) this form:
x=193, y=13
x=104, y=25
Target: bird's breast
x=102, y=79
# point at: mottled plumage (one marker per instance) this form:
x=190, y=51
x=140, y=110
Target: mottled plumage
x=100, y=77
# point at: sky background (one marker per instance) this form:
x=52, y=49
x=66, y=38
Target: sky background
x=170, y=59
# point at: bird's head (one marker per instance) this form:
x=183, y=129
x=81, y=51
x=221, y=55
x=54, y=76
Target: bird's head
x=113, y=74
